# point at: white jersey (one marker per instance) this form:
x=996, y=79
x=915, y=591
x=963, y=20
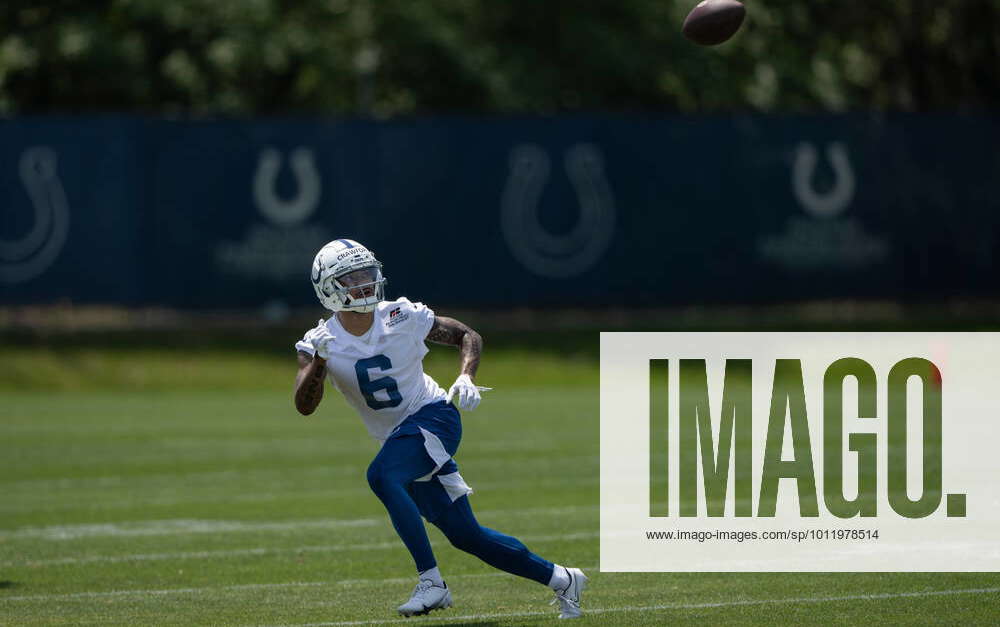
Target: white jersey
x=381, y=374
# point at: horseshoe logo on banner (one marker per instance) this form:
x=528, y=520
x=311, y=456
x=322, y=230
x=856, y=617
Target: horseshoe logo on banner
x=25, y=258
x=298, y=208
x=541, y=252
x=833, y=202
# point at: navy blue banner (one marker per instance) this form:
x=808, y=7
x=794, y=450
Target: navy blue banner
x=597, y=211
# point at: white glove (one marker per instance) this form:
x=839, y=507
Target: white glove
x=320, y=338
x=468, y=393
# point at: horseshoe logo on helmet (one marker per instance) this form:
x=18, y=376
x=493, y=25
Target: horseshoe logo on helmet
x=298, y=208
x=831, y=203
x=541, y=252
x=25, y=258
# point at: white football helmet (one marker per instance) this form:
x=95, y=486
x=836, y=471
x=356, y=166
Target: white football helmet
x=348, y=277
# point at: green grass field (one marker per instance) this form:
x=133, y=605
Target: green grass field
x=167, y=487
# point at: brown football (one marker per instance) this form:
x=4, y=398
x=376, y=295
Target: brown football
x=714, y=21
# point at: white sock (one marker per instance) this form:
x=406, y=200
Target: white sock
x=434, y=575
x=560, y=578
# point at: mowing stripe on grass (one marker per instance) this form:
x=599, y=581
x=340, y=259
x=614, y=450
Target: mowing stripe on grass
x=250, y=586
x=103, y=482
x=193, y=555
x=48, y=505
x=670, y=606
x=322, y=469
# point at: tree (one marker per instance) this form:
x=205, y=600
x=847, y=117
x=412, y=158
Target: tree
x=391, y=57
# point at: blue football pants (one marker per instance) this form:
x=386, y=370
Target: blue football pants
x=392, y=476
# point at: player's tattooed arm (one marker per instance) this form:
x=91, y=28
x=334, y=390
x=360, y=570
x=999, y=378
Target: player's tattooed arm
x=309, y=383
x=454, y=333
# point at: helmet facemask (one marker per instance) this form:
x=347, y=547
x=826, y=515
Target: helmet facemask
x=359, y=290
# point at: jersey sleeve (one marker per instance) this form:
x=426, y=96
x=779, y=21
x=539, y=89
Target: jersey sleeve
x=417, y=320
x=423, y=320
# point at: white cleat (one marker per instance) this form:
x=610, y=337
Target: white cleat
x=569, y=599
x=426, y=598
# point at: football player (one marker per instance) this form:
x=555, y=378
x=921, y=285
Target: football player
x=372, y=351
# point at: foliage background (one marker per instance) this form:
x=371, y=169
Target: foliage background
x=401, y=57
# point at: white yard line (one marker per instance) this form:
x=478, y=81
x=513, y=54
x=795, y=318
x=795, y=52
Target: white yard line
x=472, y=617
x=178, y=526
x=191, y=555
x=167, y=591
x=252, y=586
x=188, y=526
x=671, y=606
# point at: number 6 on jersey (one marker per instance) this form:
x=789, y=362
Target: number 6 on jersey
x=369, y=387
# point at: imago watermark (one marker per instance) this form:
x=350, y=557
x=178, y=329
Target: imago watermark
x=800, y=452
